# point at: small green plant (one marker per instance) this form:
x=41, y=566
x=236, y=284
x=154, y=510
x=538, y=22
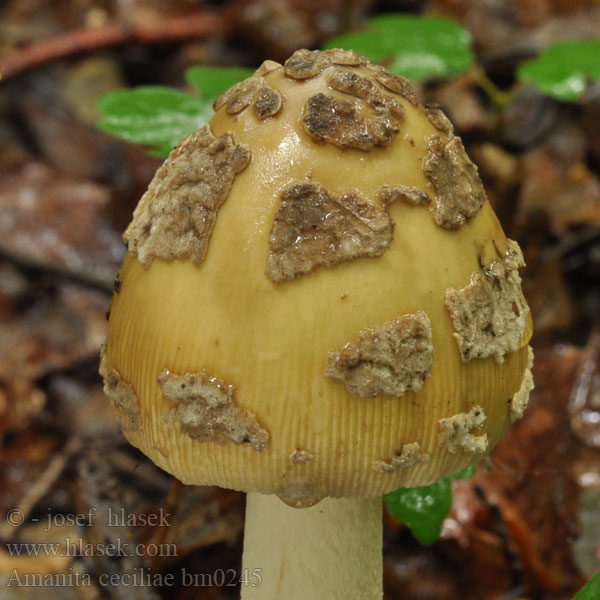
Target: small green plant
x=591, y=590
x=423, y=509
x=418, y=48
x=422, y=48
x=562, y=70
x=158, y=117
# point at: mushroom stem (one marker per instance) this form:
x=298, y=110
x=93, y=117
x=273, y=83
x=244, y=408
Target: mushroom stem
x=331, y=550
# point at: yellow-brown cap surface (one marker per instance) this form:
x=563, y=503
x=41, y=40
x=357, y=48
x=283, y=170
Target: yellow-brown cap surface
x=318, y=300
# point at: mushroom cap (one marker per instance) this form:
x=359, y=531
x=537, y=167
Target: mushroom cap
x=318, y=300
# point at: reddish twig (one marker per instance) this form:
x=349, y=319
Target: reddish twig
x=88, y=39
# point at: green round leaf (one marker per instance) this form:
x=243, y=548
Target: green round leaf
x=562, y=70
x=417, y=47
x=424, y=509
x=591, y=590
x=213, y=81
x=155, y=116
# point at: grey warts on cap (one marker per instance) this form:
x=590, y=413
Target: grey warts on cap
x=408, y=455
x=265, y=100
x=299, y=456
x=306, y=64
x=489, y=314
x=410, y=195
x=459, y=191
x=207, y=412
x=328, y=119
x=121, y=395
x=267, y=103
x=370, y=118
x=350, y=82
x=438, y=119
x=268, y=66
x=298, y=495
x=240, y=96
x=460, y=432
x=346, y=58
x=390, y=359
x=176, y=216
x=519, y=401
x=395, y=83
x=314, y=228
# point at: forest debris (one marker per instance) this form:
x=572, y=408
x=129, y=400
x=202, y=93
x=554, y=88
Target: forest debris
x=57, y=100
x=574, y=189
x=277, y=27
x=40, y=488
x=58, y=223
x=464, y=105
x=206, y=516
x=526, y=467
x=22, y=462
x=497, y=166
x=552, y=307
x=80, y=406
x=584, y=400
x=65, y=326
x=101, y=489
x=196, y=25
x=16, y=565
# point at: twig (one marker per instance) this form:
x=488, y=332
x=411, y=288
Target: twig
x=499, y=98
x=89, y=39
x=81, y=276
x=572, y=240
x=39, y=489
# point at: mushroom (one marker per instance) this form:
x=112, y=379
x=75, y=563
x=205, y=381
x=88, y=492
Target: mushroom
x=318, y=306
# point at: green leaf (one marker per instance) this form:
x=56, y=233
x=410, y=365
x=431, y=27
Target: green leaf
x=591, y=590
x=213, y=81
x=424, y=509
x=417, y=47
x=561, y=70
x=158, y=117
x=154, y=116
